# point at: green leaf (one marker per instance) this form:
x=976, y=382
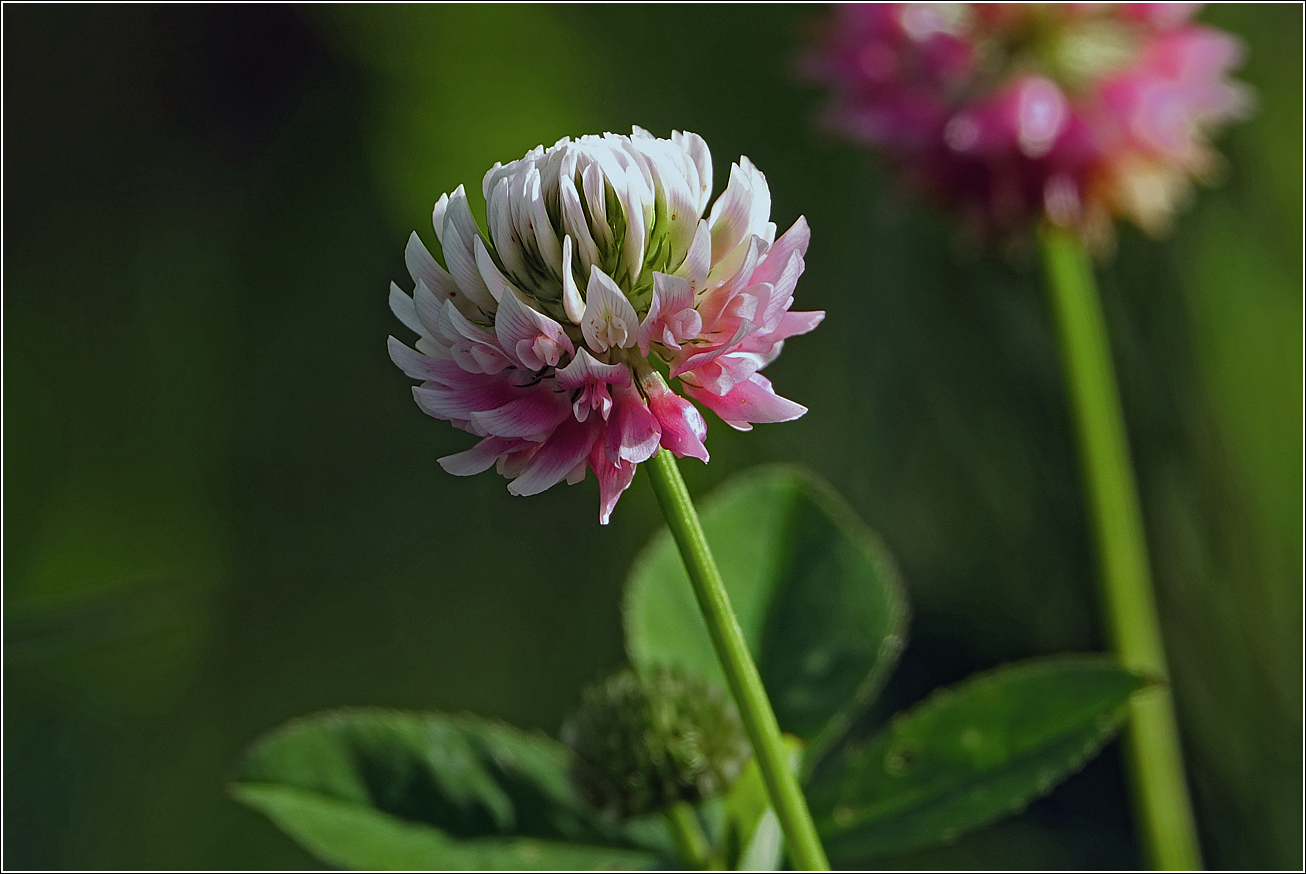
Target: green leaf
x=391, y=790
x=816, y=595
x=969, y=755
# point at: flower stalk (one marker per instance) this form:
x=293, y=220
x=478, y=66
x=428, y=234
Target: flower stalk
x=801, y=841
x=1155, y=760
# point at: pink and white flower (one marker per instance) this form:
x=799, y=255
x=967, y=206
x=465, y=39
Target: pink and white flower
x=1074, y=111
x=556, y=337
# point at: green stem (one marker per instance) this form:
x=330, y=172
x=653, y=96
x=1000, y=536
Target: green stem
x=1153, y=752
x=801, y=842
x=688, y=833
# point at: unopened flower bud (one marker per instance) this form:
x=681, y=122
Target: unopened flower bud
x=642, y=743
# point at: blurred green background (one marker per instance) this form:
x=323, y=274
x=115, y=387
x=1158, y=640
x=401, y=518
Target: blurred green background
x=222, y=508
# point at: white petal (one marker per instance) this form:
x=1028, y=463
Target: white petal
x=574, y=224
x=437, y=217
x=402, y=306
x=596, y=199
x=498, y=215
x=730, y=216
x=572, y=303
x=424, y=268
x=682, y=218
x=761, y=214
x=459, y=232
x=495, y=281
x=637, y=221
x=545, y=239
x=428, y=307
x=699, y=153
x=698, y=260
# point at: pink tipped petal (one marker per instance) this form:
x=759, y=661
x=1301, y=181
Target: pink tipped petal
x=585, y=369
x=614, y=478
x=480, y=457
x=609, y=320
x=793, y=324
x=729, y=219
x=527, y=336
x=476, y=349
x=699, y=359
x=777, y=258
x=593, y=378
x=698, y=259
x=464, y=400
x=683, y=428
x=633, y=431
x=556, y=458
x=414, y=364
x=748, y=403
x=578, y=473
x=671, y=316
x=538, y=411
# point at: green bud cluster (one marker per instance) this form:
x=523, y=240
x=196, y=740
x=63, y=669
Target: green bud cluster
x=641, y=743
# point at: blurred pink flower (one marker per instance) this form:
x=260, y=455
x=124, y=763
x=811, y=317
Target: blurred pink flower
x=554, y=338
x=1078, y=111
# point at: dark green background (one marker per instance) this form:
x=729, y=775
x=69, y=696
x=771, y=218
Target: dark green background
x=222, y=508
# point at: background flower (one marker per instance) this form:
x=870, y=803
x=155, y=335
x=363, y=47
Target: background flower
x=1008, y=111
x=550, y=342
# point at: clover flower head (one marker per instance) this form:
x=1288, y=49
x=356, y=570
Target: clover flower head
x=1074, y=111
x=641, y=743
x=603, y=279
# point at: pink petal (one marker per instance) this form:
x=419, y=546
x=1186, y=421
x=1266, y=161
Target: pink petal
x=732, y=214
x=557, y=457
x=777, y=258
x=766, y=346
x=480, y=457
x=415, y=364
x=748, y=403
x=683, y=428
x=536, y=412
x=585, y=369
x=460, y=398
x=672, y=297
x=633, y=432
x=613, y=480
x=527, y=336
x=701, y=358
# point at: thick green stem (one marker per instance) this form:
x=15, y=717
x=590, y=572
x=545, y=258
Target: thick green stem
x=689, y=837
x=1161, y=802
x=801, y=842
